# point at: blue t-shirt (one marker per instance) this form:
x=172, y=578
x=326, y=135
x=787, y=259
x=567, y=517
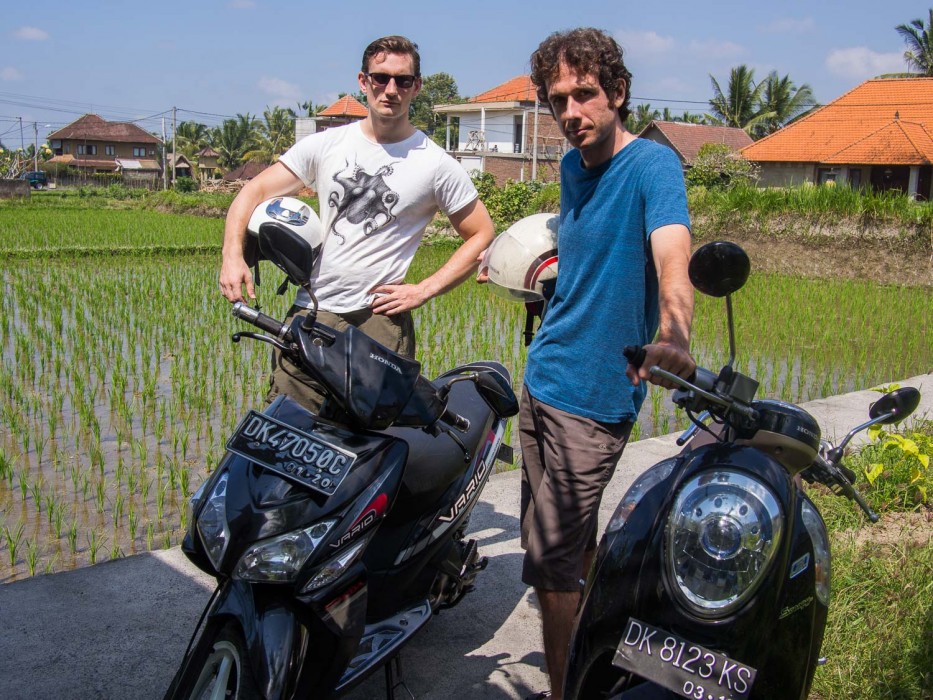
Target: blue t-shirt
x=606, y=295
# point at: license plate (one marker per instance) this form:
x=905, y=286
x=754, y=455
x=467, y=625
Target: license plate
x=293, y=453
x=691, y=670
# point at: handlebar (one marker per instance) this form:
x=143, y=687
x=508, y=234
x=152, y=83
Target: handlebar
x=262, y=321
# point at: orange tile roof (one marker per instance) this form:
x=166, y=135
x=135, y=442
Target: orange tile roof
x=886, y=121
x=519, y=89
x=687, y=139
x=91, y=127
x=346, y=106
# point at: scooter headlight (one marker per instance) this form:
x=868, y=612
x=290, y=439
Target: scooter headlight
x=722, y=534
x=212, y=523
x=279, y=559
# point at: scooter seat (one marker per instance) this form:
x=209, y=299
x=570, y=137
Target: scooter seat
x=434, y=463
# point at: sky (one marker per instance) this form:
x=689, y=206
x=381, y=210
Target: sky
x=213, y=59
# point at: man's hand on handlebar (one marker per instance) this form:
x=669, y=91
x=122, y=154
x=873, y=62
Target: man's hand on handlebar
x=666, y=356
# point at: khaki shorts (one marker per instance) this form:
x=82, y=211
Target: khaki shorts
x=395, y=332
x=567, y=460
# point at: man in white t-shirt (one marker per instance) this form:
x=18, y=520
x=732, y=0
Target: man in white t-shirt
x=379, y=182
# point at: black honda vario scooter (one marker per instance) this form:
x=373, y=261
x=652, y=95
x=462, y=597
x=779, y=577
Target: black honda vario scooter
x=335, y=537
x=712, y=579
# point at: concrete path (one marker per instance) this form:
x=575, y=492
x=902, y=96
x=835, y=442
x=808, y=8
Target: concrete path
x=118, y=630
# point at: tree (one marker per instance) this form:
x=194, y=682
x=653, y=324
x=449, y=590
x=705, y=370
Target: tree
x=273, y=136
x=233, y=139
x=436, y=89
x=191, y=137
x=309, y=109
x=919, y=40
x=783, y=101
x=740, y=105
x=719, y=167
x=641, y=117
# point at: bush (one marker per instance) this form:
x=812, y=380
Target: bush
x=514, y=200
x=186, y=184
x=719, y=167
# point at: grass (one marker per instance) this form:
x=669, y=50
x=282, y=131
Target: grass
x=879, y=637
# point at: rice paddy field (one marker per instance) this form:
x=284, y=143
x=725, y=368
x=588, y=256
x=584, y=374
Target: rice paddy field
x=119, y=383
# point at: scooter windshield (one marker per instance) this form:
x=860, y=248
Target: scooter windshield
x=369, y=381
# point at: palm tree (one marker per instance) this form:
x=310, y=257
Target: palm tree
x=641, y=117
x=740, y=106
x=273, y=136
x=233, y=139
x=919, y=40
x=784, y=101
x=191, y=137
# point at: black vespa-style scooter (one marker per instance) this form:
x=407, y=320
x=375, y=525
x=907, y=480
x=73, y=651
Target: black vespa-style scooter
x=335, y=537
x=712, y=579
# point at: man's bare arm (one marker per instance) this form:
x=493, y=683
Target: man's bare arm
x=475, y=227
x=274, y=181
x=670, y=248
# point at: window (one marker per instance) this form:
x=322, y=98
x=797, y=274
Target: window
x=85, y=149
x=139, y=151
x=110, y=150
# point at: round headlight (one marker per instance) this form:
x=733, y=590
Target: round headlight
x=723, y=532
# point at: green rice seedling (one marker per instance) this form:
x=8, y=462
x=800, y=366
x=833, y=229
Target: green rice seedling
x=133, y=521
x=94, y=543
x=118, y=505
x=13, y=536
x=50, y=564
x=32, y=556
x=35, y=488
x=100, y=494
x=72, y=535
x=150, y=535
x=115, y=551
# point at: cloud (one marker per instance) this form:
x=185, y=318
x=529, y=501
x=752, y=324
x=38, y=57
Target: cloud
x=242, y=4
x=863, y=63
x=31, y=34
x=280, y=89
x=642, y=43
x=790, y=25
x=10, y=74
x=715, y=49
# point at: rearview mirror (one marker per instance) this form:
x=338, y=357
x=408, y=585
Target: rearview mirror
x=719, y=268
x=288, y=251
x=900, y=403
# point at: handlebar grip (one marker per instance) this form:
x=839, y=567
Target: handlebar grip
x=262, y=321
x=635, y=355
x=456, y=420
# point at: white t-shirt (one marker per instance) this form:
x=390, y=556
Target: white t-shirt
x=376, y=199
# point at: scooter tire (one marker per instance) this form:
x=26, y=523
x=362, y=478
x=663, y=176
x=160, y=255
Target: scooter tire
x=221, y=661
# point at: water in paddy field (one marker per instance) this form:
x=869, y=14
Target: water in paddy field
x=119, y=384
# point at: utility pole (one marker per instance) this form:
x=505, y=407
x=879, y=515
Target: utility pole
x=35, y=155
x=534, y=146
x=174, y=115
x=164, y=159
x=22, y=139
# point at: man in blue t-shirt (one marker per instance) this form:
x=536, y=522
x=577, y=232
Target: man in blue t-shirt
x=624, y=245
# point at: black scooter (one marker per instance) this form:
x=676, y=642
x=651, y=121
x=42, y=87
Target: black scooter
x=335, y=537
x=712, y=579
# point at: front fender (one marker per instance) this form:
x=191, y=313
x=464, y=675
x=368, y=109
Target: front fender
x=293, y=650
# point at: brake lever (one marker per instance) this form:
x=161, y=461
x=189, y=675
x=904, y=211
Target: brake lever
x=236, y=337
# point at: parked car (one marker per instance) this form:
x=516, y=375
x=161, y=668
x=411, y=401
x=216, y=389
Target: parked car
x=37, y=179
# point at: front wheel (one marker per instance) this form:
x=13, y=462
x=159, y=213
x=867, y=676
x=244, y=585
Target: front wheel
x=222, y=669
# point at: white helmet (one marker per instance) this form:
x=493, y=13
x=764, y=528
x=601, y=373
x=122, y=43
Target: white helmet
x=297, y=215
x=523, y=258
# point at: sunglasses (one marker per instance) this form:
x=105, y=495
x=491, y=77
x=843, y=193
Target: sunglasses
x=402, y=82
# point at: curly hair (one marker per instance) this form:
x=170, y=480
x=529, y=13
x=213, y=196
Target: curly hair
x=393, y=44
x=587, y=51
